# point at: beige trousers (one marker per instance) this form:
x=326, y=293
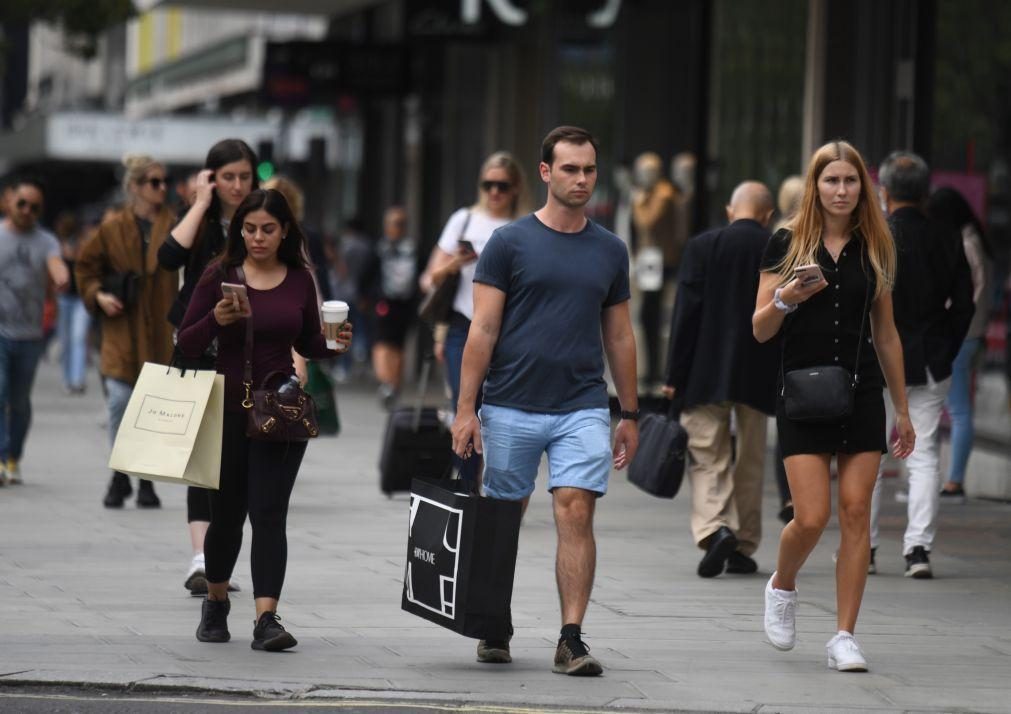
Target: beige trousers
x=724, y=493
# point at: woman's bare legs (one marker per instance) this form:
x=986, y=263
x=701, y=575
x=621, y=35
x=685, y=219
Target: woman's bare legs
x=808, y=475
x=857, y=474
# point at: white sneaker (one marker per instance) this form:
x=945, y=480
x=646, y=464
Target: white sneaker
x=780, y=616
x=844, y=654
x=196, y=578
x=14, y=474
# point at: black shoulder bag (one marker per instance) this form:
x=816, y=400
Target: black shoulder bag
x=822, y=394
x=437, y=305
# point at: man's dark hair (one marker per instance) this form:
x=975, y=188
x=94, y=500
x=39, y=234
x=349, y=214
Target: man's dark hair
x=20, y=180
x=905, y=176
x=570, y=134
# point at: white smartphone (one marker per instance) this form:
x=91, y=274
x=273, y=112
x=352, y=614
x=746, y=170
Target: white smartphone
x=808, y=274
x=238, y=290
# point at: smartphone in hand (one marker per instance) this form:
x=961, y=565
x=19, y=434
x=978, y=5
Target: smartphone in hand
x=466, y=245
x=237, y=291
x=808, y=275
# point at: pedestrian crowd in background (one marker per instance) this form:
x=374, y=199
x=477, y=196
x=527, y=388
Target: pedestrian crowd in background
x=885, y=288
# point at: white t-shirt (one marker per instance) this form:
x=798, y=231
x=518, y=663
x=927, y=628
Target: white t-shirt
x=478, y=232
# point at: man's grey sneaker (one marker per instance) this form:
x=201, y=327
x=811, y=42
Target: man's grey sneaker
x=14, y=474
x=270, y=636
x=573, y=657
x=213, y=625
x=918, y=564
x=780, y=616
x=844, y=654
x=493, y=652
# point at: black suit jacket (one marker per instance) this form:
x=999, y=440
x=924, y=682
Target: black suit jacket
x=713, y=355
x=932, y=295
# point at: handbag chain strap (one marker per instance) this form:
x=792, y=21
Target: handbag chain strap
x=247, y=354
x=860, y=338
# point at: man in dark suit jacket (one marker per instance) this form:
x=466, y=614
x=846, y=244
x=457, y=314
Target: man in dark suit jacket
x=933, y=308
x=718, y=369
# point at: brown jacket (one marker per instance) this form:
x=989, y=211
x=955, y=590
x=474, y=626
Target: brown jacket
x=141, y=333
x=657, y=221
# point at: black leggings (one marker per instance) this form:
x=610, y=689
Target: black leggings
x=256, y=478
x=198, y=504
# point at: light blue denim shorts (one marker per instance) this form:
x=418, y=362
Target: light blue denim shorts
x=578, y=445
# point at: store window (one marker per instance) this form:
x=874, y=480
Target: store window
x=756, y=96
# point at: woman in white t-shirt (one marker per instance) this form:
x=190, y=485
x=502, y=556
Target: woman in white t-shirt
x=502, y=197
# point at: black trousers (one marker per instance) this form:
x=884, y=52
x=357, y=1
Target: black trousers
x=256, y=479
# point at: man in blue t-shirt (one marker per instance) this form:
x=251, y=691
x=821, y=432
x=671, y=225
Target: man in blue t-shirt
x=550, y=290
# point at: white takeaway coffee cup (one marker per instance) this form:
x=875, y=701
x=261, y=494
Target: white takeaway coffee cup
x=335, y=314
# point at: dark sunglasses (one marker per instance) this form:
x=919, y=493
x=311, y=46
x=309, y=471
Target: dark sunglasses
x=35, y=208
x=156, y=183
x=502, y=186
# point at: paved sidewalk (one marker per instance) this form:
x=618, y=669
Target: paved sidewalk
x=95, y=597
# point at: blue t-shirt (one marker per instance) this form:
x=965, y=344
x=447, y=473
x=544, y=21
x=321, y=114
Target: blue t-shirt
x=549, y=356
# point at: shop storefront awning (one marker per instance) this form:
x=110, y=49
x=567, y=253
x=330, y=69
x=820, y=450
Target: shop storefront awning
x=331, y=8
x=92, y=136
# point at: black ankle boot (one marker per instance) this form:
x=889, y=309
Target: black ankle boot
x=146, y=497
x=119, y=489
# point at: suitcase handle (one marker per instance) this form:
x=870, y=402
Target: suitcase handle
x=426, y=370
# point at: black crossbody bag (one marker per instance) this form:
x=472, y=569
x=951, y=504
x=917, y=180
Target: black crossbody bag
x=822, y=395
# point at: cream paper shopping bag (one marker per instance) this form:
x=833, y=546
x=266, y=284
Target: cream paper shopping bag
x=171, y=430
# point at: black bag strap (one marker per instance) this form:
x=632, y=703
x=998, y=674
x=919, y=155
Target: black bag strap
x=860, y=337
x=247, y=352
x=466, y=222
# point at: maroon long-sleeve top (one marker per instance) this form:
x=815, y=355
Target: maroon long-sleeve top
x=283, y=317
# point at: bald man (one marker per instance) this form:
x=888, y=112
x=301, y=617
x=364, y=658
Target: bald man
x=718, y=371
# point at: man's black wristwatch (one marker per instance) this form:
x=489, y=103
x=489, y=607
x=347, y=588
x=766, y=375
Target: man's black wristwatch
x=631, y=416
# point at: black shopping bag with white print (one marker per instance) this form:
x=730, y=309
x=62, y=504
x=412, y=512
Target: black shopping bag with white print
x=461, y=558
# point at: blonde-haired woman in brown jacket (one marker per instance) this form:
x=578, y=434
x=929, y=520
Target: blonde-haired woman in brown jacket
x=120, y=281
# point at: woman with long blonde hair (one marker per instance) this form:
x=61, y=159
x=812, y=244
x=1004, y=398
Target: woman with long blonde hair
x=501, y=199
x=842, y=245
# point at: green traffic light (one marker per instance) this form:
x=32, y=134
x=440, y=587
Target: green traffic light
x=265, y=170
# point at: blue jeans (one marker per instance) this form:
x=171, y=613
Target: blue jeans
x=117, y=396
x=18, y=362
x=959, y=405
x=72, y=330
x=456, y=338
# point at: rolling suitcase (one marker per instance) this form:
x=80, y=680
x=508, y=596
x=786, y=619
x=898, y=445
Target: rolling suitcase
x=416, y=444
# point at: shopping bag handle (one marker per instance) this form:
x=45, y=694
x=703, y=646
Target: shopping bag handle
x=179, y=363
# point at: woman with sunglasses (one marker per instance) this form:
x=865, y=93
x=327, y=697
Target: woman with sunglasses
x=228, y=176
x=502, y=198
x=120, y=280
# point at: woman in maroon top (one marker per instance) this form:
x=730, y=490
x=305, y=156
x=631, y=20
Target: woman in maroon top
x=256, y=476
